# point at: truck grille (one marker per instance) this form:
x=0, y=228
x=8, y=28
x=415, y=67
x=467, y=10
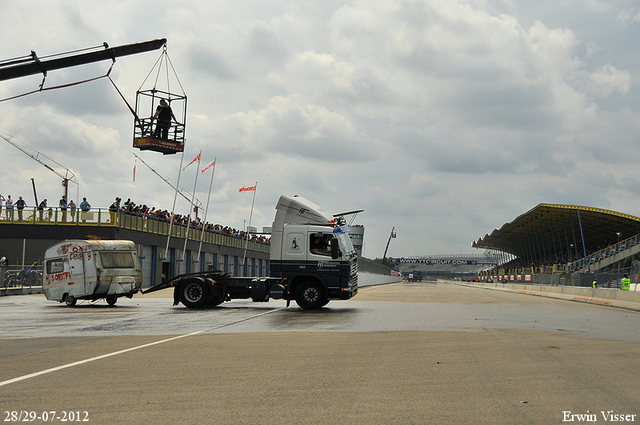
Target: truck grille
x=353, y=279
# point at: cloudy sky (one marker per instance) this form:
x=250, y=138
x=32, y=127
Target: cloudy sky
x=443, y=119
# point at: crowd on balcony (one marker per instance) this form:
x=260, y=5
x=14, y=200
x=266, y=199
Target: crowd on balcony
x=132, y=208
x=129, y=207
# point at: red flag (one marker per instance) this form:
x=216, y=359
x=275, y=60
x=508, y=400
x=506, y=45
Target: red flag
x=197, y=158
x=134, y=173
x=208, y=166
x=247, y=189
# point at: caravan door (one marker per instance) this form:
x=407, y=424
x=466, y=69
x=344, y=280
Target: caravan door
x=78, y=284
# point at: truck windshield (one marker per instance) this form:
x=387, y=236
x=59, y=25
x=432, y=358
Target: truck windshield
x=348, y=251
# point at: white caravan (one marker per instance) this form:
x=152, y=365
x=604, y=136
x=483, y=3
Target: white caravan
x=91, y=270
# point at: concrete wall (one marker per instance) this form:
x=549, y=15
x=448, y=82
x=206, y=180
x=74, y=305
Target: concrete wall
x=609, y=297
x=368, y=279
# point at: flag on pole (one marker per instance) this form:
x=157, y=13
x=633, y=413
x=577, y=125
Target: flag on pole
x=247, y=189
x=208, y=166
x=197, y=158
x=134, y=171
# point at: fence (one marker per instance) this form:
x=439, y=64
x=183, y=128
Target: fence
x=609, y=279
x=26, y=277
x=366, y=265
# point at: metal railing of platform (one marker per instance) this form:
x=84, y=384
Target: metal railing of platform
x=102, y=217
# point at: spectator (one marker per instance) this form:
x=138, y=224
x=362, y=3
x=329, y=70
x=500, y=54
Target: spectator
x=72, y=207
x=20, y=204
x=41, y=208
x=63, y=207
x=84, y=205
x=9, y=207
x=114, y=209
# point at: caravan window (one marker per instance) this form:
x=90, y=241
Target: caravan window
x=116, y=260
x=55, y=266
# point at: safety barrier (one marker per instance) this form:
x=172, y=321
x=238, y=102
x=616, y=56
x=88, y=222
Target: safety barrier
x=606, y=297
x=18, y=281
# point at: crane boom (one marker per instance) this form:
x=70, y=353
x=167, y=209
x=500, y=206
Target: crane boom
x=67, y=177
x=30, y=65
x=196, y=203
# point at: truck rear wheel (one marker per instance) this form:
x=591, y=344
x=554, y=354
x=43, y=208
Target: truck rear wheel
x=194, y=294
x=310, y=295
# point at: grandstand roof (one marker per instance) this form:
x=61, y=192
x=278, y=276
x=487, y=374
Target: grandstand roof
x=554, y=230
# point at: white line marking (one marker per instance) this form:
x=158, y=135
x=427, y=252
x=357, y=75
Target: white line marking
x=116, y=353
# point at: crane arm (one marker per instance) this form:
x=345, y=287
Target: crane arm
x=69, y=176
x=20, y=68
x=196, y=203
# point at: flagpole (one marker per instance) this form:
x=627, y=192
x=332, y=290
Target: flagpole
x=173, y=208
x=206, y=208
x=244, y=256
x=184, y=250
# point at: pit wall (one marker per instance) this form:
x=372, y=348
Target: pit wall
x=608, y=297
x=368, y=279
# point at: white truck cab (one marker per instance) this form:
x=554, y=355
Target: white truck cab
x=312, y=261
x=90, y=270
x=312, y=250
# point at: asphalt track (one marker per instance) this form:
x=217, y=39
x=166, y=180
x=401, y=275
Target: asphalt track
x=396, y=354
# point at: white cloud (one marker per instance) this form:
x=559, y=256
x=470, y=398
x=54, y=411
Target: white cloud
x=608, y=79
x=444, y=118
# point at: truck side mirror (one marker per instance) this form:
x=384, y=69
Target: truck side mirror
x=335, y=251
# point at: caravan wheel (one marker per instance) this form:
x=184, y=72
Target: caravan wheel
x=70, y=300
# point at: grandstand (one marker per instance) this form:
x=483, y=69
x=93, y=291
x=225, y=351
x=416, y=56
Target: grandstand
x=565, y=245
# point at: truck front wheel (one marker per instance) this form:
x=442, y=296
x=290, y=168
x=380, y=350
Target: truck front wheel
x=194, y=294
x=310, y=296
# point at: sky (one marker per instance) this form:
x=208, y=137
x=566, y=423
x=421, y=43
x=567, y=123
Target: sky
x=441, y=119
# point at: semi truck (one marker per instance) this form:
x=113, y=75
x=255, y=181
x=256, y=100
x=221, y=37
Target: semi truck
x=91, y=270
x=312, y=261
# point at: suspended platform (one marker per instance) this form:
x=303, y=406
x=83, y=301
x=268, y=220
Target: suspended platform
x=160, y=114
x=167, y=147
x=148, y=133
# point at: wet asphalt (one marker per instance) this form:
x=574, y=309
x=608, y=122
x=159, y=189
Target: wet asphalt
x=398, y=353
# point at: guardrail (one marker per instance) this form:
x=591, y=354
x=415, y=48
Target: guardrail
x=102, y=217
x=19, y=279
x=604, y=253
